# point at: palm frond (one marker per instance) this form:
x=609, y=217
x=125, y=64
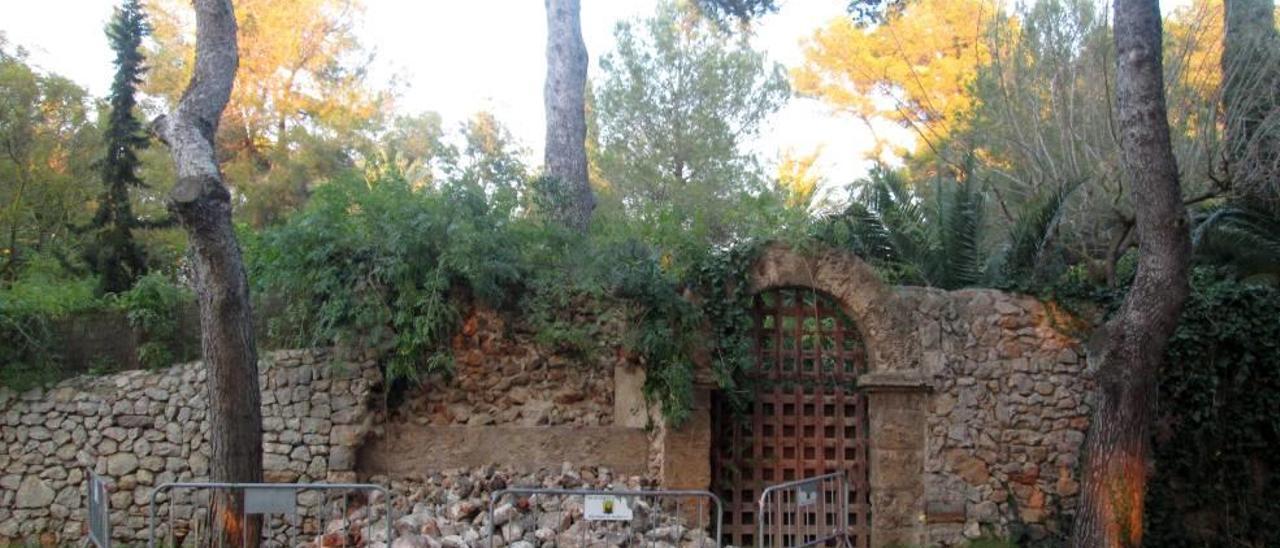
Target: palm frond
x=906, y=227
x=1244, y=237
x=959, y=210
x=1031, y=231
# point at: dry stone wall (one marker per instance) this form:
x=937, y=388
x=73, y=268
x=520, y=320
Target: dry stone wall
x=142, y=428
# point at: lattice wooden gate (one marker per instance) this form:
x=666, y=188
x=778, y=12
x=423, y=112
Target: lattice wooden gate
x=805, y=418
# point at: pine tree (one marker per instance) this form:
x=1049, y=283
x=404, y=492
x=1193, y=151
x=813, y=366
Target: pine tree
x=114, y=254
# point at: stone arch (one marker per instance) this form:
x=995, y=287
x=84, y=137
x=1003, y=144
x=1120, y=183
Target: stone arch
x=873, y=306
x=894, y=384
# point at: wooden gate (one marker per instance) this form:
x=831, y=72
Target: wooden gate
x=805, y=418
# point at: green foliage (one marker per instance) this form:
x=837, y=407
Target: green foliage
x=45, y=293
x=47, y=139
x=1215, y=474
x=987, y=541
x=1245, y=237
x=387, y=266
x=42, y=294
x=936, y=234
x=380, y=264
x=1020, y=263
x=723, y=281
x=152, y=307
x=680, y=172
x=958, y=210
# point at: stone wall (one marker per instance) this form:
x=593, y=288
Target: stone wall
x=1006, y=417
x=978, y=402
x=502, y=376
x=140, y=429
x=977, y=407
x=513, y=401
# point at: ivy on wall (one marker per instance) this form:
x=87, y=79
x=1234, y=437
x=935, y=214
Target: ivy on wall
x=1217, y=438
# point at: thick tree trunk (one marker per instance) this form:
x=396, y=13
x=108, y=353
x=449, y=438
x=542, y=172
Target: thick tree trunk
x=202, y=205
x=1126, y=353
x=565, y=97
x=1251, y=97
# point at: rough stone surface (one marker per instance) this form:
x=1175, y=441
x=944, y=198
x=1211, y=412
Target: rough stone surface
x=406, y=449
x=34, y=493
x=141, y=428
x=1008, y=410
x=503, y=376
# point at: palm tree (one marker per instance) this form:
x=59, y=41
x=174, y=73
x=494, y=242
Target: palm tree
x=936, y=238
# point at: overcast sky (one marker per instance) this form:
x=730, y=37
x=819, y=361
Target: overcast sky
x=456, y=57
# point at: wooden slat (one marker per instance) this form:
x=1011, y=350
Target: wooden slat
x=740, y=464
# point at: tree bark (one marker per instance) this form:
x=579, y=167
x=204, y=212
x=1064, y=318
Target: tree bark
x=565, y=99
x=1126, y=353
x=201, y=203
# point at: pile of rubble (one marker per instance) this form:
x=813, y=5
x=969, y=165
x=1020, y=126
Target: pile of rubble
x=452, y=509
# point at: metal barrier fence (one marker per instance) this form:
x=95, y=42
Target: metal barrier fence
x=805, y=512
x=99, y=512
x=283, y=507
x=586, y=517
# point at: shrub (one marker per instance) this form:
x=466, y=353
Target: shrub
x=382, y=265
x=152, y=307
x=386, y=266
x=42, y=294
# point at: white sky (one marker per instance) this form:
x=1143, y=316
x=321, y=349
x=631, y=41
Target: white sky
x=456, y=57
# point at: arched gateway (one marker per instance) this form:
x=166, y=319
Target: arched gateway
x=804, y=417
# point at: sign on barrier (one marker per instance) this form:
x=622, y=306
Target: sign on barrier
x=806, y=512
x=587, y=517
x=99, y=512
x=606, y=508
x=277, y=503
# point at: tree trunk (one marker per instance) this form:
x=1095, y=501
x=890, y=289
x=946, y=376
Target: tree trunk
x=1126, y=353
x=1250, y=97
x=201, y=203
x=565, y=97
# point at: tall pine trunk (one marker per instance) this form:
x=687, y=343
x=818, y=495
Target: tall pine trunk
x=1126, y=353
x=202, y=205
x=565, y=99
x=1251, y=98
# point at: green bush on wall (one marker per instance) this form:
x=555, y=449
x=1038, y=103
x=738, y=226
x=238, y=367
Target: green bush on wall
x=44, y=294
x=152, y=307
x=388, y=266
x=41, y=295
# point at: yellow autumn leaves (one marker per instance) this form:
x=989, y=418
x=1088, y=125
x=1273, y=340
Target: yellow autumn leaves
x=917, y=68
